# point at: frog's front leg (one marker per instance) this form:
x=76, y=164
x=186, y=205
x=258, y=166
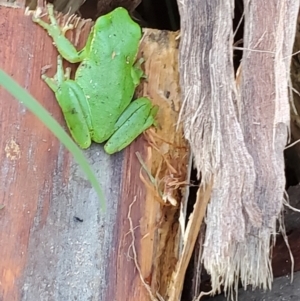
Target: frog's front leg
x=138, y=117
x=73, y=103
x=63, y=45
x=136, y=72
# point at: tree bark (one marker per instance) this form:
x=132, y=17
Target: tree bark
x=238, y=126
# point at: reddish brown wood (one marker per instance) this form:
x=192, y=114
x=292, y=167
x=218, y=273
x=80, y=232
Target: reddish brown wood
x=28, y=150
x=46, y=252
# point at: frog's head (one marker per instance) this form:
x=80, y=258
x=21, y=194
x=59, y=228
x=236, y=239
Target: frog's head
x=118, y=23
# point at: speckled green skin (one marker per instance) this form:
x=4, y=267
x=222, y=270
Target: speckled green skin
x=97, y=103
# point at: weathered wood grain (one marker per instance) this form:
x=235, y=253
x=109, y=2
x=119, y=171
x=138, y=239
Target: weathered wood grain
x=158, y=231
x=45, y=253
x=238, y=127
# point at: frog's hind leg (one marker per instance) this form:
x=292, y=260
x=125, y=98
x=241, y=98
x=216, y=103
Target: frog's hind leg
x=73, y=104
x=77, y=113
x=138, y=117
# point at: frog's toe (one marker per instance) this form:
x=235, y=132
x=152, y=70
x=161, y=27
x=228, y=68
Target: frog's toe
x=66, y=28
x=67, y=74
x=36, y=16
x=50, y=9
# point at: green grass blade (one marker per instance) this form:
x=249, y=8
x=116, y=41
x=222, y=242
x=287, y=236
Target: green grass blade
x=36, y=108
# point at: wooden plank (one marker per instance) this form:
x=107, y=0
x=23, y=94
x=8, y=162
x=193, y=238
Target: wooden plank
x=46, y=252
x=55, y=244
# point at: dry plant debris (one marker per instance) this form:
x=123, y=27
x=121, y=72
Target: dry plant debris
x=238, y=127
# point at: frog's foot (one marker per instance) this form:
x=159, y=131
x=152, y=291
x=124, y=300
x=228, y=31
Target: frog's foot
x=66, y=28
x=153, y=113
x=139, y=63
x=51, y=82
x=67, y=73
x=63, y=45
x=137, y=72
x=37, y=15
x=53, y=28
x=59, y=77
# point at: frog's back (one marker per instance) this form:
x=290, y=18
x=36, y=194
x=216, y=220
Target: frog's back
x=117, y=32
x=107, y=78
